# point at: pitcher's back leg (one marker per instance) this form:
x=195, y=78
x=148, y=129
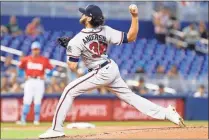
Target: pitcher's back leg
x=120, y=88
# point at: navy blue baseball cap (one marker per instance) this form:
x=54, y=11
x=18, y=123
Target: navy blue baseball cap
x=91, y=11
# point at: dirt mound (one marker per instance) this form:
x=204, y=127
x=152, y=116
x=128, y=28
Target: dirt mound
x=147, y=132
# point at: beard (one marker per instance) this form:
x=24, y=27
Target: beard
x=83, y=21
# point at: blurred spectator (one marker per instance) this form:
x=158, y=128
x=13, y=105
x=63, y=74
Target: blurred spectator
x=34, y=28
x=4, y=85
x=160, y=20
x=160, y=70
x=13, y=27
x=61, y=69
x=12, y=80
x=7, y=64
x=4, y=30
x=14, y=85
x=53, y=87
x=49, y=89
x=173, y=24
x=141, y=88
x=140, y=69
x=191, y=35
x=201, y=93
x=102, y=90
x=173, y=72
x=203, y=30
x=11, y=72
x=63, y=84
x=143, y=91
x=161, y=91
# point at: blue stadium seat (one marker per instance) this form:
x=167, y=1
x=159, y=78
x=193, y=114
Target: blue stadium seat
x=47, y=35
x=144, y=53
x=5, y=42
x=8, y=38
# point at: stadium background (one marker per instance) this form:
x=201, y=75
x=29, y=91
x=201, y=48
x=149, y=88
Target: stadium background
x=164, y=73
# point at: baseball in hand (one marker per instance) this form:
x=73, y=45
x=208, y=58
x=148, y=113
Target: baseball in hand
x=133, y=9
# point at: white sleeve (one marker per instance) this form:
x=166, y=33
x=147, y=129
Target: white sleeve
x=74, y=50
x=114, y=36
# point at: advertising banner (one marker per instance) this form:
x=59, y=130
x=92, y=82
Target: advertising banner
x=123, y=111
x=84, y=109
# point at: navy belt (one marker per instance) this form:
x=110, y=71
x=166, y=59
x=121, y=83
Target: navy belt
x=100, y=66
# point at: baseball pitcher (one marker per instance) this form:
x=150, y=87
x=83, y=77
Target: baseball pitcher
x=34, y=67
x=91, y=44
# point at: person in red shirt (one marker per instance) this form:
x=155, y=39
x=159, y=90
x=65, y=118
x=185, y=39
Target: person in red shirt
x=34, y=66
x=34, y=28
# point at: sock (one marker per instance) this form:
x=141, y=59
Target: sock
x=37, y=109
x=25, y=110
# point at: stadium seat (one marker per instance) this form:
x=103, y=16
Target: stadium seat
x=145, y=53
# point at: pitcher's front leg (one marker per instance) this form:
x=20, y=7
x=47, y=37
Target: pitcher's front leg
x=71, y=91
x=74, y=89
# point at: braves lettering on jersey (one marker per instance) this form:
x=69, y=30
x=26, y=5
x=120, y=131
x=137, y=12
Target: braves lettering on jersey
x=91, y=45
x=35, y=66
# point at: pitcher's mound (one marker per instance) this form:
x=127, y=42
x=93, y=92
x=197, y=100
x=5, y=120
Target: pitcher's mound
x=147, y=132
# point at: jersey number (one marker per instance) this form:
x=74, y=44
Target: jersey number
x=98, y=48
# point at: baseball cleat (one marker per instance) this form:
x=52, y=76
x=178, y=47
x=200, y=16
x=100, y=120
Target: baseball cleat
x=51, y=134
x=36, y=123
x=21, y=123
x=174, y=117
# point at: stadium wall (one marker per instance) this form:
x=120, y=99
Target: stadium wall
x=146, y=29
x=72, y=24
x=102, y=108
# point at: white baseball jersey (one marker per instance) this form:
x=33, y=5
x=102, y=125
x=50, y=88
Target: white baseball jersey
x=92, y=43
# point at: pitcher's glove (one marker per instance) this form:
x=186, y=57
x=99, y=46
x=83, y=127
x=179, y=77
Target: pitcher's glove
x=63, y=41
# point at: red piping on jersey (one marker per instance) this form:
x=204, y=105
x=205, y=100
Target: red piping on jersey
x=91, y=32
x=66, y=95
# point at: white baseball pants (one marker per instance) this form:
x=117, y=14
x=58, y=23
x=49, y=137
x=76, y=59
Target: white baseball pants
x=33, y=91
x=108, y=76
